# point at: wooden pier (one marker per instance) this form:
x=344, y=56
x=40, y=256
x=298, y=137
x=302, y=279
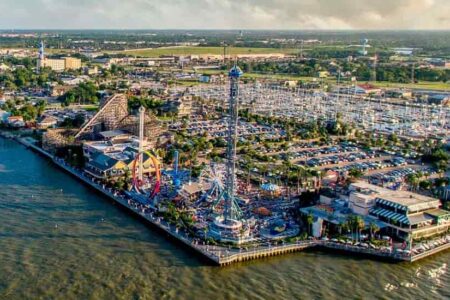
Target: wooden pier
x=265, y=252
x=430, y=252
x=384, y=255
x=221, y=255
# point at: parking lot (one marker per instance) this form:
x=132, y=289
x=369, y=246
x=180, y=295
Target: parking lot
x=218, y=128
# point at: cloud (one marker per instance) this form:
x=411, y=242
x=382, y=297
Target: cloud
x=224, y=14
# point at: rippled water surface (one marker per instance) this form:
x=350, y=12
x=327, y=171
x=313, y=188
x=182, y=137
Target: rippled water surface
x=60, y=240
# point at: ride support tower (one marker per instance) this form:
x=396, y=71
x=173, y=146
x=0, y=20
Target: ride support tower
x=230, y=188
x=141, y=141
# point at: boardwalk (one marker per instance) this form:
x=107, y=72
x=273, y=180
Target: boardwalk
x=221, y=255
x=430, y=252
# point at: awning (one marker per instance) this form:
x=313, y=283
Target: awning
x=391, y=204
x=389, y=214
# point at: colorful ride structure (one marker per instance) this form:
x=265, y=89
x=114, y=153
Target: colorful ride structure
x=212, y=180
x=142, y=184
x=177, y=176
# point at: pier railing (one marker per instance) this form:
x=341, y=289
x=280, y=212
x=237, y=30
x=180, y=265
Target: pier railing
x=369, y=251
x=267, y=251
x=223, y=255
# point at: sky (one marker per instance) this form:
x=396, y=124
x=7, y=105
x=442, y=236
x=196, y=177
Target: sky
x=226, y=14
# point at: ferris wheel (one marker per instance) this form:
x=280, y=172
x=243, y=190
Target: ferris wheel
x=212, y=180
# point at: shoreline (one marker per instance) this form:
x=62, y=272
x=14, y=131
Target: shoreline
x=221, y=255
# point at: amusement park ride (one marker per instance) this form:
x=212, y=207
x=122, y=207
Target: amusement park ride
x=216, y=207
x=212, y=180
x=143, y=185
x=229, y=226
x=145, y=188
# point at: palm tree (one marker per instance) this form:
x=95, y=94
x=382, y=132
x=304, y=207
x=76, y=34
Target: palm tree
x=263, y=170
x=413, y=181
x=420, y=174
x=119, y=184
x=351, y=223
x=373, y=229
x=442, y=167
x=126, y=178
x=354, y=174
x=301, y=175
x=427, y=145
x=340, y=226
x=359, y=224
x=250, y=166
x=343, y=227
x=320, y=178
x=205, y=231
x=309, y=221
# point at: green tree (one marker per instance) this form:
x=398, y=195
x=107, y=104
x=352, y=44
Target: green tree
x=355, y=174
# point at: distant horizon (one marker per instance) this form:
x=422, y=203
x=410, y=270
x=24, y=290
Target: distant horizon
x=361, y=15
x=223, y=29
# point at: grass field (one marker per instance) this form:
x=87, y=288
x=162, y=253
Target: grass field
x=203, y=50
x=426, y=85
x=421, y=85
x=332, y=80
x=156, y=52
x=277, y=76
x=257, y=75
x=186, y=83
x=59, y=51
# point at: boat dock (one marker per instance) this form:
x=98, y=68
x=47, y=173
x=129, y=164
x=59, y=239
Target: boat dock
x=222, y=255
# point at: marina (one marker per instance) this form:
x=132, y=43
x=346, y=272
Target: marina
x=373, y=113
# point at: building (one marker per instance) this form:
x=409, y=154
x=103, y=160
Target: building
x=323, y=74
x=261, y=56
x=4, y=115
x=439, y=99
x=104, y=166
x=57, y=65
x=4, y=67
x=193, y=190
x=367, y=89
x=60, y=90
x=290, y=83
x=15, y=121
x=113, y=141
x=90, y=70
x=72, y=63
x=439, y=63
x=114, y=155
x=185, y=107
x=108, y=162
x=75, y=80
x=398, y=93
x=403, y=51
x=400, y=214
x=405, y=214
x=181, y=106
x=204, y=78
x=362, y=197
x=47, y=122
